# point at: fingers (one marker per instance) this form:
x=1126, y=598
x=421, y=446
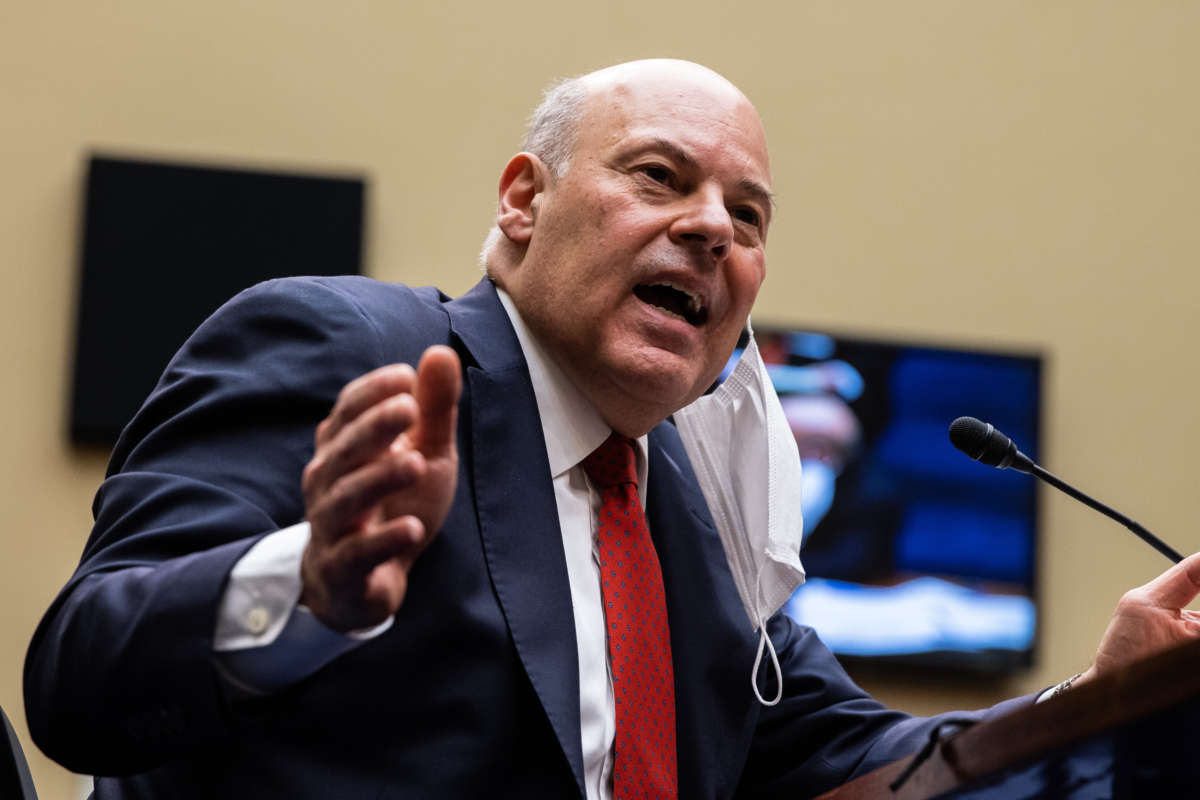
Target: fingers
x=374, y=409
x=438, y=386
x=364, y=392
x=373, y=441
x=402, y=538
x=344, y=506
x=1176, y=587
x=363, y=578
x=365, y=437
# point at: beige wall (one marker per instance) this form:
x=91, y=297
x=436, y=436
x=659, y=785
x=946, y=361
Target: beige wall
x=1004, y=173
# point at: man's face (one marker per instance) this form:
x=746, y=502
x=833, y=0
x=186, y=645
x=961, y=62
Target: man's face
x=646, y=256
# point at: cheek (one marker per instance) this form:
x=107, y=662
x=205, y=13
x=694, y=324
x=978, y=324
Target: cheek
x=750, y=278
x=720, y=348
x=743, y=285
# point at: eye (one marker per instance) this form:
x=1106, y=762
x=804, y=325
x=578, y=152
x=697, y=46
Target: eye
x=747, y=214
x=658, y=174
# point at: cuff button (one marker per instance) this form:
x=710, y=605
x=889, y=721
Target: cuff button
x=257, y=620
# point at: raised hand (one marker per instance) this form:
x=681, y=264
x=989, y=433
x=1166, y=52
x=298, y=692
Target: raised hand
x=1151, y=618
x=378, y=488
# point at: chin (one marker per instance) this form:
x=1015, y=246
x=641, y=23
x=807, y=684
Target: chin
x=661, y=383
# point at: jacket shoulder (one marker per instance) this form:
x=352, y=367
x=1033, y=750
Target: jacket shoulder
x=376, y=301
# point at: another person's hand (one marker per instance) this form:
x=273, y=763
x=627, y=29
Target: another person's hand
x=378, y=488
x=1151, y=618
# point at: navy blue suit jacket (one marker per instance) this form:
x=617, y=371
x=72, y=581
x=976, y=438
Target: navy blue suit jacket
x=474, y=691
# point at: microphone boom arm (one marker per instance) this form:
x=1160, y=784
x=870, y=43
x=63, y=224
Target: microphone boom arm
x=1145, y=535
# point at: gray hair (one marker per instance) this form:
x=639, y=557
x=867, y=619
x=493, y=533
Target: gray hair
x=553, y=129
x=554, y=124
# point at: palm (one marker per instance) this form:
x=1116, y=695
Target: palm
x=429, y=498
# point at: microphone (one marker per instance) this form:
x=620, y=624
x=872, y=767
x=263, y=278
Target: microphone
x=982, y=442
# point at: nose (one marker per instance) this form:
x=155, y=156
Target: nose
x=705, y=224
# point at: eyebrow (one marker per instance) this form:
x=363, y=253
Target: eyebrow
x=748, y=185
x=760, y=193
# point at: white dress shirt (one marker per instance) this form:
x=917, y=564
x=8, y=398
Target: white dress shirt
x=267, y=641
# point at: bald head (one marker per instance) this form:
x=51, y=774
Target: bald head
x=555, y=123
x=660, y=71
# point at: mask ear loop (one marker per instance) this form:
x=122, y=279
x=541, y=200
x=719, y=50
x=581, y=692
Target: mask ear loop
x=764, y=642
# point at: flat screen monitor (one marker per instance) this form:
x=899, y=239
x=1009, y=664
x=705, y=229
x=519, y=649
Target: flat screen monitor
x=165, y=244
x=915, y=554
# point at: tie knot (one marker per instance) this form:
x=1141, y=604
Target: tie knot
x=612, y=463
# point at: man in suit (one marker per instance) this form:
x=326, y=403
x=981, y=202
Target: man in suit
x=409, y=604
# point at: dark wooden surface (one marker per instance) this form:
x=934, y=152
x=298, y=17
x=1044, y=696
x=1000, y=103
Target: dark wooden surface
x=981, y=755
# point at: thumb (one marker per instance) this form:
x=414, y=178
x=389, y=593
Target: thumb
x=439, y=384
x=1176, y=587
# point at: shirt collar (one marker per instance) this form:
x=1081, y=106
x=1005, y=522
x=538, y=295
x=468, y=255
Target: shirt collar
x=571, y=426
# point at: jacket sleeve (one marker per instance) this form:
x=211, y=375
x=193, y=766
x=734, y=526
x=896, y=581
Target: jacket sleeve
x=826, y=730
x=120, y=674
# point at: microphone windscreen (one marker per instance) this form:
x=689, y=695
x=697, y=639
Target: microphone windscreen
x=969, y=435
x=982, y=442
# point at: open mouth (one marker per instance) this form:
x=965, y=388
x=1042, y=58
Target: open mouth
x=674, y=301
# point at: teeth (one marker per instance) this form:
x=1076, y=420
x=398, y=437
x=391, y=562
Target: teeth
x=669, y=312
x=694, y=304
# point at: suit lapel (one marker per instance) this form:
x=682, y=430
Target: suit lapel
x=517, y=514
x=711, y=642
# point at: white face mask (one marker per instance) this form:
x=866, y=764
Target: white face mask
x=746, y=461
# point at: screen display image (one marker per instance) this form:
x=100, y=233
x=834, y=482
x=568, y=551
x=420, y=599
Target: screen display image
x=914, y=552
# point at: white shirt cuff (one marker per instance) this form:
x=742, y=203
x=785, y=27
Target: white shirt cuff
x=264, y=639
x=1055, y=691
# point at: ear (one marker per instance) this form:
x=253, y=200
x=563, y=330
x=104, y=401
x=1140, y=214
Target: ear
x=521, y=185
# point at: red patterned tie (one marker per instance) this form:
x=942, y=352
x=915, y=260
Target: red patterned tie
x=639, y=641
